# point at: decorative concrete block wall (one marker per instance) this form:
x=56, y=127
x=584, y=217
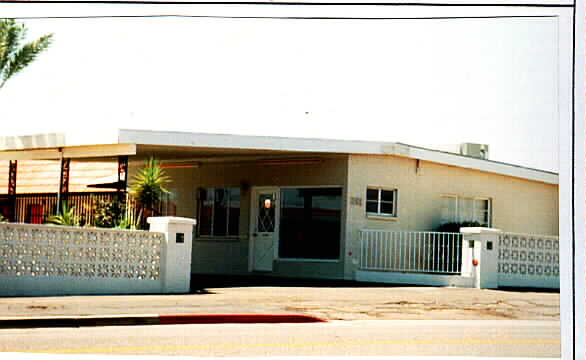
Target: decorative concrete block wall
x=513, y=259
x=41, y=260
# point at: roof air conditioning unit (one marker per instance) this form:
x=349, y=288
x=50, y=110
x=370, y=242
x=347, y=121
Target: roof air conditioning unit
x=479, y=151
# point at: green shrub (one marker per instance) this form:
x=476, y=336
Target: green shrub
x=454, y=227
x=107, y=213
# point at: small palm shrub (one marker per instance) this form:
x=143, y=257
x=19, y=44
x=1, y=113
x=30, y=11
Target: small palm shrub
x=66, y=217
x=148, y=185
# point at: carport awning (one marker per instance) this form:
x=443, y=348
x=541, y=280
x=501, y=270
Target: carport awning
x=178, y=147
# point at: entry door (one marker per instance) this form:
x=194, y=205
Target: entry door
x=264, y=229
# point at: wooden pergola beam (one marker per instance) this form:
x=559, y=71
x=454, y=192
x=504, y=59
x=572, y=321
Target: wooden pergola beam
x=75, y=152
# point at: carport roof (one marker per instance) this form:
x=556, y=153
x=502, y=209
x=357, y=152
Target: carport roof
x=178, y=145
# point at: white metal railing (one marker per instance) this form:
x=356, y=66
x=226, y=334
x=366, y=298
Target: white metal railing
x=411, y=251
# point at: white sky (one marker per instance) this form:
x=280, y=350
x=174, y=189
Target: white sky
x=422, y=82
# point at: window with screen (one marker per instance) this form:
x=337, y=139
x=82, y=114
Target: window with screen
x=461, y=209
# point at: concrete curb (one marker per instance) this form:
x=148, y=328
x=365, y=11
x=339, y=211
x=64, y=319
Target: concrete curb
x=149, y=319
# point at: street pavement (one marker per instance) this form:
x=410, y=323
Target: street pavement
x=364, y=319
x=500, y=338
x=324, y=299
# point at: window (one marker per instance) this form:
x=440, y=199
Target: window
x=310, y=223
x=381, y=202
x=460, y=209
x=168, y=203
x=219, y=212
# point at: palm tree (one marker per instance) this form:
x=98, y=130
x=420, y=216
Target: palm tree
x=13, y=56
x=148, y=185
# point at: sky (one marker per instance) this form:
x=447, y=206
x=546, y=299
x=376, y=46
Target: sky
x=425, y=82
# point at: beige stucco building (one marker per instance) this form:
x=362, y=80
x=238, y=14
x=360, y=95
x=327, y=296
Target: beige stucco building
x=294, y=207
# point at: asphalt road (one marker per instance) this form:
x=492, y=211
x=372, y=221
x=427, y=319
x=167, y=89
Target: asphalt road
x=497, y=338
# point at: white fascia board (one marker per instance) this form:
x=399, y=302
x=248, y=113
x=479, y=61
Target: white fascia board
x=106, y=136
x=29, y=142
x=467, y=162
x=58, y=140
x=225, y=141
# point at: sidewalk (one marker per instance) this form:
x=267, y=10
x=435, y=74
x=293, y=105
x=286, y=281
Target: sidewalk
x=329, y=300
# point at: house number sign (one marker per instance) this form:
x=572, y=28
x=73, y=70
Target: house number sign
x=356, y=201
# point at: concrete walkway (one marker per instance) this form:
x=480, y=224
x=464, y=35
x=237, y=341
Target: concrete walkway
x=330, y=300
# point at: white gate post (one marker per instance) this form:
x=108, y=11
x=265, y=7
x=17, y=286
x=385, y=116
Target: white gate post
x=467, y=269
x=176, y=255
x=485, y=254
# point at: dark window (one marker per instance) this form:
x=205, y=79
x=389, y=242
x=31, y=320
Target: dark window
x=234, y=212
x=310, y=223
x=381, y=202
x=220, y=217
x=219, y=212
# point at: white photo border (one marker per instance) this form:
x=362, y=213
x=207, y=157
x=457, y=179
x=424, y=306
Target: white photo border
x=571, y=17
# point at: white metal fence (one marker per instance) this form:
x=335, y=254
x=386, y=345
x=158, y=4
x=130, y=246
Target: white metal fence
x=411, y=251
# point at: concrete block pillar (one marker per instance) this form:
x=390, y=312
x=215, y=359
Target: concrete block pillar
x=176, y=254
x=484, y=255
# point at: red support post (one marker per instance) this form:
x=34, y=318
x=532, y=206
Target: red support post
x=63, y=182
x=12, y=169
x=122, y=178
